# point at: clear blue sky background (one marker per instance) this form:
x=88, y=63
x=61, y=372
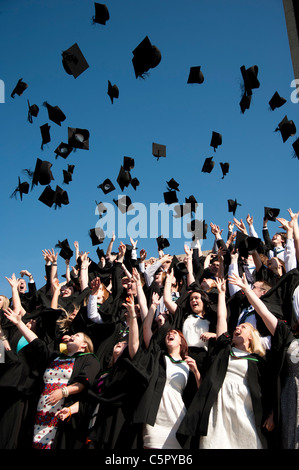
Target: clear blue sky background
x=218, y=35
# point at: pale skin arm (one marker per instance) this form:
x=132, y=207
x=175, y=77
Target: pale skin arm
x=67, y=270
x=56, y=395
x=133, y=343
x=16, y=319
x=189, y=265
x=294, y=224
x=221, y=308
x=16, y=301
x=169, y=303
x=85, y=262
x=147, y=324
x=140, y=294
x=67, y=412
x=56, y=292
x=193, y=367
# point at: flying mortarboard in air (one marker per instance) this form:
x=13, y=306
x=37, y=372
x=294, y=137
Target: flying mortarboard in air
x=67, y=176
x=19, y=88
x=216, y=140
x=33, y=111
x=128, y=163
x=208, y=165
x=124, y=178
x=170, y=197
x=181, y=210
x=158, y=150
x=78, y=138
x=124, y=204
x=162, y=242
x=287, y=128
x=97, y=236
x=295, y=146
x=250, y=82
x=45, y=133
x=199, y=228
x=65, y=251
x=47, y=196
x=195, y=75
x=101, y=14
x=232, y=205
x=224, y=168
x=101, y=208
x=246, y=244
x=145, y=57
x=63, y=150
x=270, y=213
x=173, y=185
x=73, y=61
x=42, y=173
x=245, y=103
x=22, y=188
x=113, y=91
x=134, y=183
x=55, y=114
x=60, y=197
x=192, y=203
x=107, y=186
x=276, y=101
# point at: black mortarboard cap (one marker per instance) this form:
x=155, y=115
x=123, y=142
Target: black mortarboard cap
x=60, y=197
x=276, y=101
x=47, y=196
x=67, y=176
x=181, y=210
x=33, y=111
x=100, y=253
x=170, y=197
x=134, y=183
x=22, y=188
x=216, y=140
x=107, y=186
x=158, y=150
x=78, y=138
x=124, y=204
x=63, y=150
x=97, y=236
x=101, y=208
x=55, y=114
x=250, y=78
x=287, y=128
x=246, y=245
x=295, y=146
x=45, y=133
x=124, y=178
x=19, y=88
x=65, y=250
x=70, y=168
x=232, y=205
x=172, y=184
x=113, y=91
x=73, y=61
x=208, y=165
x=101, y=14
x=199, y=229
x=128, y=163
x=145, y=57
x=42, y=173
x=193, y=203
x=195, y=75
x=245, y=102
x=162, y=242
x=271, y=213
x=179, y=268
x=224, y=168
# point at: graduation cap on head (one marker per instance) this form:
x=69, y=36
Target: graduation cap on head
x=124, y=178
x=97, y=236
x=195, y=75
x=172, y=184
x=33, y=111
x=224, y=168
x=295, y=146
x=107, y=186
x=22, y=188
x=271, y=213
x=65, y=250
x=101, y=14
x=250, y=78
x=47, y=196
x=232, y=205
x=60, y=197
x=162, y=242
x=170, y=197
x=67, y=176
x=73, y=61
x=216, y=140
x=128, y=163
x=134, y=183
x=124, y=204
x=45, y=133
x=19, y=88
x=113, y=91
x=287, y=128
x=245, y=102
x=42, y=173
x=158, y=150
x=208, y=165
x=55, y=114
x=192, y=202
x=78, y=138
x=276, y=101
x=63, y=150
x=145, y=57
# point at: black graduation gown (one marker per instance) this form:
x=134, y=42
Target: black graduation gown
x=195, y=422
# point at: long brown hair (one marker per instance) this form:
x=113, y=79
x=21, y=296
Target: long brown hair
x=183, y=346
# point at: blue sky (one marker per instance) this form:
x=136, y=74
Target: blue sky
x=216, y=35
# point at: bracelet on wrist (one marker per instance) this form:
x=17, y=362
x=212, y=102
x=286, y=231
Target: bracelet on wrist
x=54, y=264
x=3, y=338
x=65, y=392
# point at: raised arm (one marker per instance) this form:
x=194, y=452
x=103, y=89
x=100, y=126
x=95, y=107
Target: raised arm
x=140, y=294
x=189, y=265
x=168, y=302
x=294, y=224
x=56, y=292
x=221, y=326
x=147, y=324
x=16, y=301
x=15, y=317
x=85, y=262
x=110, y=246
x=133, y=343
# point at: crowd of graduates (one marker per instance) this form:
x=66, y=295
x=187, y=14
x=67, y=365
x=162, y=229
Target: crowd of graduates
x=191, y=351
